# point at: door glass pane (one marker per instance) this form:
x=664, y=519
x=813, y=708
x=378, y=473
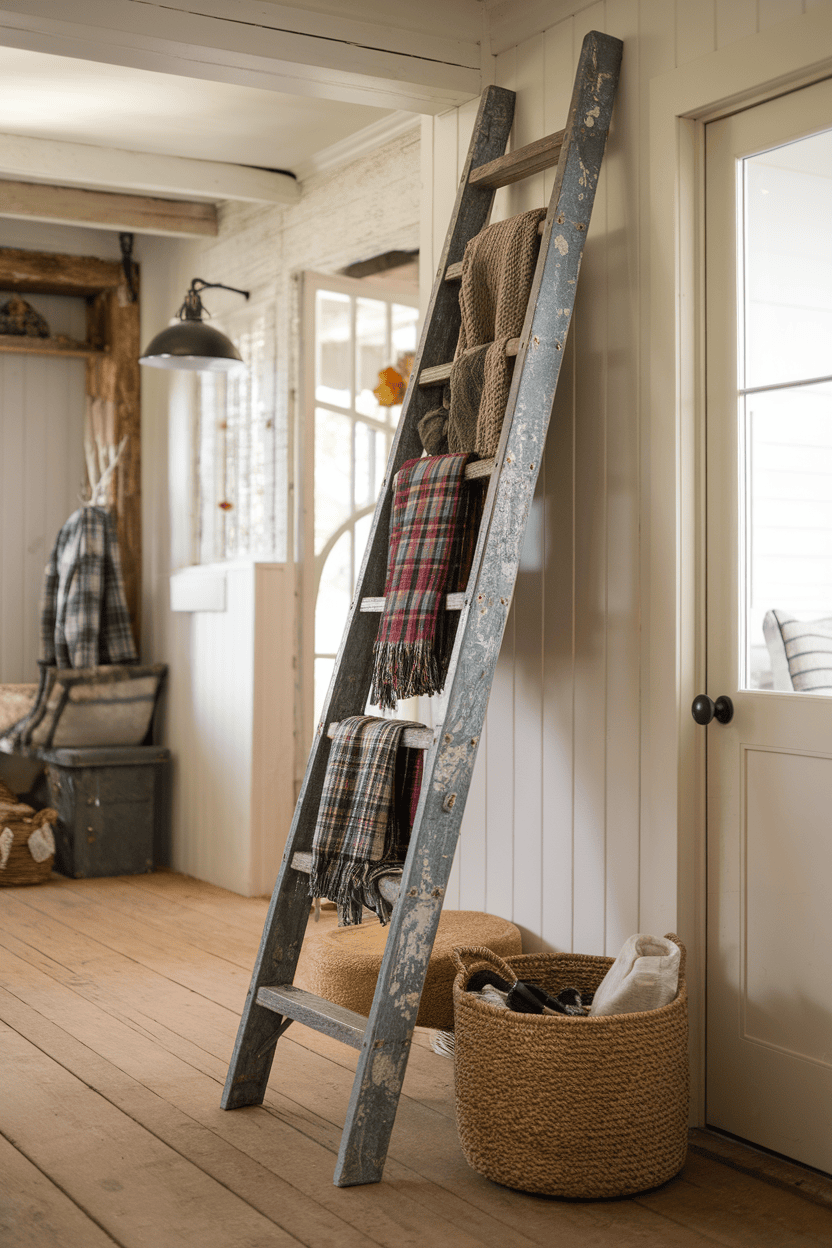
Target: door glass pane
x=786, y=416
x=788, y=262
x=371, y=352
x=333, y=474
x=333, y=342
x=789, y=538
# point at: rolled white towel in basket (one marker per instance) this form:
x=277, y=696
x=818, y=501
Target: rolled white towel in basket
x=644, y=976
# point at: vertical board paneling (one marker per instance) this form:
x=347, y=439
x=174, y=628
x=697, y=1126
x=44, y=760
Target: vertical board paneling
x=12, y=597
x=735, y=19
x=771, y=12
x=695, y=29
x=466, y=886
x=499, y=781
x=41, y=442
x=623, y=562
x=590, y=333
x=656, y=51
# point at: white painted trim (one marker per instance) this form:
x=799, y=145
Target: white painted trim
x=673, y=809
x=82, y=164
x=358, y=144
x=262, y=45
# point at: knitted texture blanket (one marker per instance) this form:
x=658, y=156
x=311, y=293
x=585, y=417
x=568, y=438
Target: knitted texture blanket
x=428, y=532
x=497, y=271
x=369, y=797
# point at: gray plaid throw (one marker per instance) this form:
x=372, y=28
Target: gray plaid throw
x=84, y=620
x=369, y=795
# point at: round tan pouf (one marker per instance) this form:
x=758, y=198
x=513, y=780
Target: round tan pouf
x=344, y=964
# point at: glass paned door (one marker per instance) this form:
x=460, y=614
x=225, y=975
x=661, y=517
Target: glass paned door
x=355, y=335
x=785, y=393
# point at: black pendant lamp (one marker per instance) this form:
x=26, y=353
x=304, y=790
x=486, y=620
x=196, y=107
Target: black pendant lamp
x=190, y=343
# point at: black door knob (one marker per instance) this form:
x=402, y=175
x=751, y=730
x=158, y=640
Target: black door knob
x=704, y=709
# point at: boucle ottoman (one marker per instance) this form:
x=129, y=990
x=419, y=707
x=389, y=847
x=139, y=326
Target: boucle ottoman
x=344, y=963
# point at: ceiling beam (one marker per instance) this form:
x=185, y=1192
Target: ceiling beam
x=140, y=214
x=257, y=44
x=81, y=164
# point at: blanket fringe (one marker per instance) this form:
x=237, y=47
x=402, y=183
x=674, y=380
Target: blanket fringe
x=405, y=669
x=354, y=886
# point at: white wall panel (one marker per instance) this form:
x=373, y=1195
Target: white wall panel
x=41, y=475
x=554, y=835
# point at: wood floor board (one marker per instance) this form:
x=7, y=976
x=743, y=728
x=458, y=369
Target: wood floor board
x=181, y=1101
x=34, y=1213
x=125, y=996
x=83, y=1143
x=123, y=934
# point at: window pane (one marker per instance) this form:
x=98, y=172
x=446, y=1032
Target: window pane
x=333, y=474
x=333, y=365
x=788, y=520
x=323, y=675
x=405, y=321
x=334, y=597
x=788, y=262
x=362, y=534
x=372, y=352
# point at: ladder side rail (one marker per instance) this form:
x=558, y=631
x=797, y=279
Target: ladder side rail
x=450, y=763
x=288, y=913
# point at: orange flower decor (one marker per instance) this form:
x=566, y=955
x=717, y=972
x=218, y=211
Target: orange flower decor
x=391, y=387
x=393, y=382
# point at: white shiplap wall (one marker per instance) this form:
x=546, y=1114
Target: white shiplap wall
x=552, y=831
x=42, y=403
x=343, y=216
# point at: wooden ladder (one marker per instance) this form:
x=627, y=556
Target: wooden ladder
x=384, y=1039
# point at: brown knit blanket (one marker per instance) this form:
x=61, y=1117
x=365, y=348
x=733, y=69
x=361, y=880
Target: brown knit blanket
x=497, y=272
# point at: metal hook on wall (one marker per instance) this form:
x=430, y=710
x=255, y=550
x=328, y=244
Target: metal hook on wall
x=126, y=244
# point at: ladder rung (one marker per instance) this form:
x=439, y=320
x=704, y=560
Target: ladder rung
x=442, y=372
x=333, y=1020
x=453, y=273
x=527, y=160
x=388, y=885
x=412, y=738
x=453, y=602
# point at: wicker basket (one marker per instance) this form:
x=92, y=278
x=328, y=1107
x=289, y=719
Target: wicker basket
x=21, y=867
x=568, y=1106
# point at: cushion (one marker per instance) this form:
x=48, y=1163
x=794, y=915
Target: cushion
x=800, y=651
x=344, y=963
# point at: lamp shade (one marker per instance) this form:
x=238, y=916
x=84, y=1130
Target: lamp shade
x=192, y=345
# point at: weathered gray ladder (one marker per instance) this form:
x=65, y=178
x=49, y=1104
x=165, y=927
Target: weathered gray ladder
x=384, y=1038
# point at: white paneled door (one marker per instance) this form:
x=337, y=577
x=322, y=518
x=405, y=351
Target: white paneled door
x=769, y=624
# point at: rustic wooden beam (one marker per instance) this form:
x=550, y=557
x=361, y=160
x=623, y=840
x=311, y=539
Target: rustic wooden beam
x=542, y=154
x=20, y=344
x=44, y=273
x=142, y=214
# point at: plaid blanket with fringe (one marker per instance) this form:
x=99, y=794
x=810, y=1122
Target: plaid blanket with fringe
x=369, y=798
x=429, y=531
x=84, y=619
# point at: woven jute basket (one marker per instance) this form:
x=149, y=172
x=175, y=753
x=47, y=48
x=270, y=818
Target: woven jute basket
x=21, y=867
x=569, y=1106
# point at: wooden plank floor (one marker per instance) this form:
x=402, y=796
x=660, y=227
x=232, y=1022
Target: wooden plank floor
x=119, y=1002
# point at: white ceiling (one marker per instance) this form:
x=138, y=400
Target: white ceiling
x=55, y=97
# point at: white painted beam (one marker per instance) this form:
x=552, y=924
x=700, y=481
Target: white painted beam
x=257, y=44
x=141, y=214
x=81, y=164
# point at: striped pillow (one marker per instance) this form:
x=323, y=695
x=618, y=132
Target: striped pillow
x=801, y=652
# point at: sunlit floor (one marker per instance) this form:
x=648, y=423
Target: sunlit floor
x=119, y=1002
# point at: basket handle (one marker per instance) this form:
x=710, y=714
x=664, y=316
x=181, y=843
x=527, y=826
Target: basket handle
x=467, y=957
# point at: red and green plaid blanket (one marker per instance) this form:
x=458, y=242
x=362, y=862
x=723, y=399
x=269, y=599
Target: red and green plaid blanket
x=429, y=531
x=369, y=798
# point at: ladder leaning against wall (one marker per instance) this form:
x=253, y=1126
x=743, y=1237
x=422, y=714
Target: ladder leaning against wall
x=273, y=1001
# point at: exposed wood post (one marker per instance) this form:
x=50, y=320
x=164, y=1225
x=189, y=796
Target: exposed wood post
x=113, y=413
